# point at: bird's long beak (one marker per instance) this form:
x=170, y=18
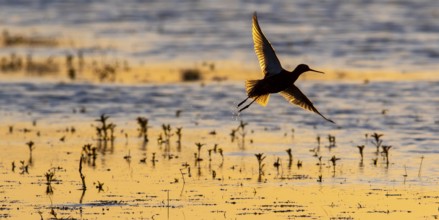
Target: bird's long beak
x=316, y=71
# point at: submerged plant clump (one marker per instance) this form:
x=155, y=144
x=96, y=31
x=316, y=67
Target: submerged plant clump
x=188, y=75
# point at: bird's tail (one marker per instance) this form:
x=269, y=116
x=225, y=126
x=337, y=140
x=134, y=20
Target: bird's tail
x=250, y=88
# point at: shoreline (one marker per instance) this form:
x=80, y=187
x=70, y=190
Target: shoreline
x=55, y=58
x=163, y=73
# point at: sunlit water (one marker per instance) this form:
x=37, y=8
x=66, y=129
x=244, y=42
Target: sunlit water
x=410, y=107
x=406, y=112
x=393, y=35
x=133, y=189
x=380, y=35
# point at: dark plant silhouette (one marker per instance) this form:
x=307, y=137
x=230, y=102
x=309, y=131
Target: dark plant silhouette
x=331, y=140
x=220, y=151
x=260, y=157
x=318, y=143
x=420, y=166
x=334, y=162
x=50, y=177
x=84, y=187
x=386, y=149
x=242, y=132
x=209, y=152
x=375, y=161
x=361, y=148
x=90, y=154
x=167, y=137
x=13, y=39
x=215, y=148
x=199, y=146
x=178, y=113
x=233, y=135
x=182, y=176
x=320, y=164
x=31, y=147
x=405, y=174
x=111, y=127
x=100, y=186
x=71, y=73
x=377, y=141
x=153, y=160
x=106, y=72
x=277, y=164
x=24, y=168
x=213, y=174
x=143, y=128
x=178, y=133
x=103, y=132
x=103, y=119
x=290, y=158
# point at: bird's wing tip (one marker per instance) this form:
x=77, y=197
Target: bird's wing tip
x=327, y=119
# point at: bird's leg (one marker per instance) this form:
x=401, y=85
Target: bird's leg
x=242, y=102
x=242, y=109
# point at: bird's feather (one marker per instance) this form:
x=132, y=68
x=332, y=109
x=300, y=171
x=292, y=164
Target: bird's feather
x=263, y=99
x=295, y=96
x=268, y=60
x=260, y=99
x=250, y=85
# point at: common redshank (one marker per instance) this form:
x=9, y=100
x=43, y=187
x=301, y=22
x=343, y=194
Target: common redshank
x=276, y=79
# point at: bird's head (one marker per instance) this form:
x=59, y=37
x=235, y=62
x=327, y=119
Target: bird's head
x=301, y=68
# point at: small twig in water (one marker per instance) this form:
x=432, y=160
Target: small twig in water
x=84, y=187
x=405, y=175
x=420, y=166
x=290, y=158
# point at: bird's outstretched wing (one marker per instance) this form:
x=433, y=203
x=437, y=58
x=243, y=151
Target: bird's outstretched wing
x=268, y=60
x=295, y=96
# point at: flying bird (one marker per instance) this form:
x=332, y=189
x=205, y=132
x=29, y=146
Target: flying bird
x=276, y=79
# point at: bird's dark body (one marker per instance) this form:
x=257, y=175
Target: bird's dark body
x=274, y=84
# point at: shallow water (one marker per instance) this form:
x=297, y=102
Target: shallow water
x=401, y=35
x=410, y=120
x=410, y=117
x=133, y=189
